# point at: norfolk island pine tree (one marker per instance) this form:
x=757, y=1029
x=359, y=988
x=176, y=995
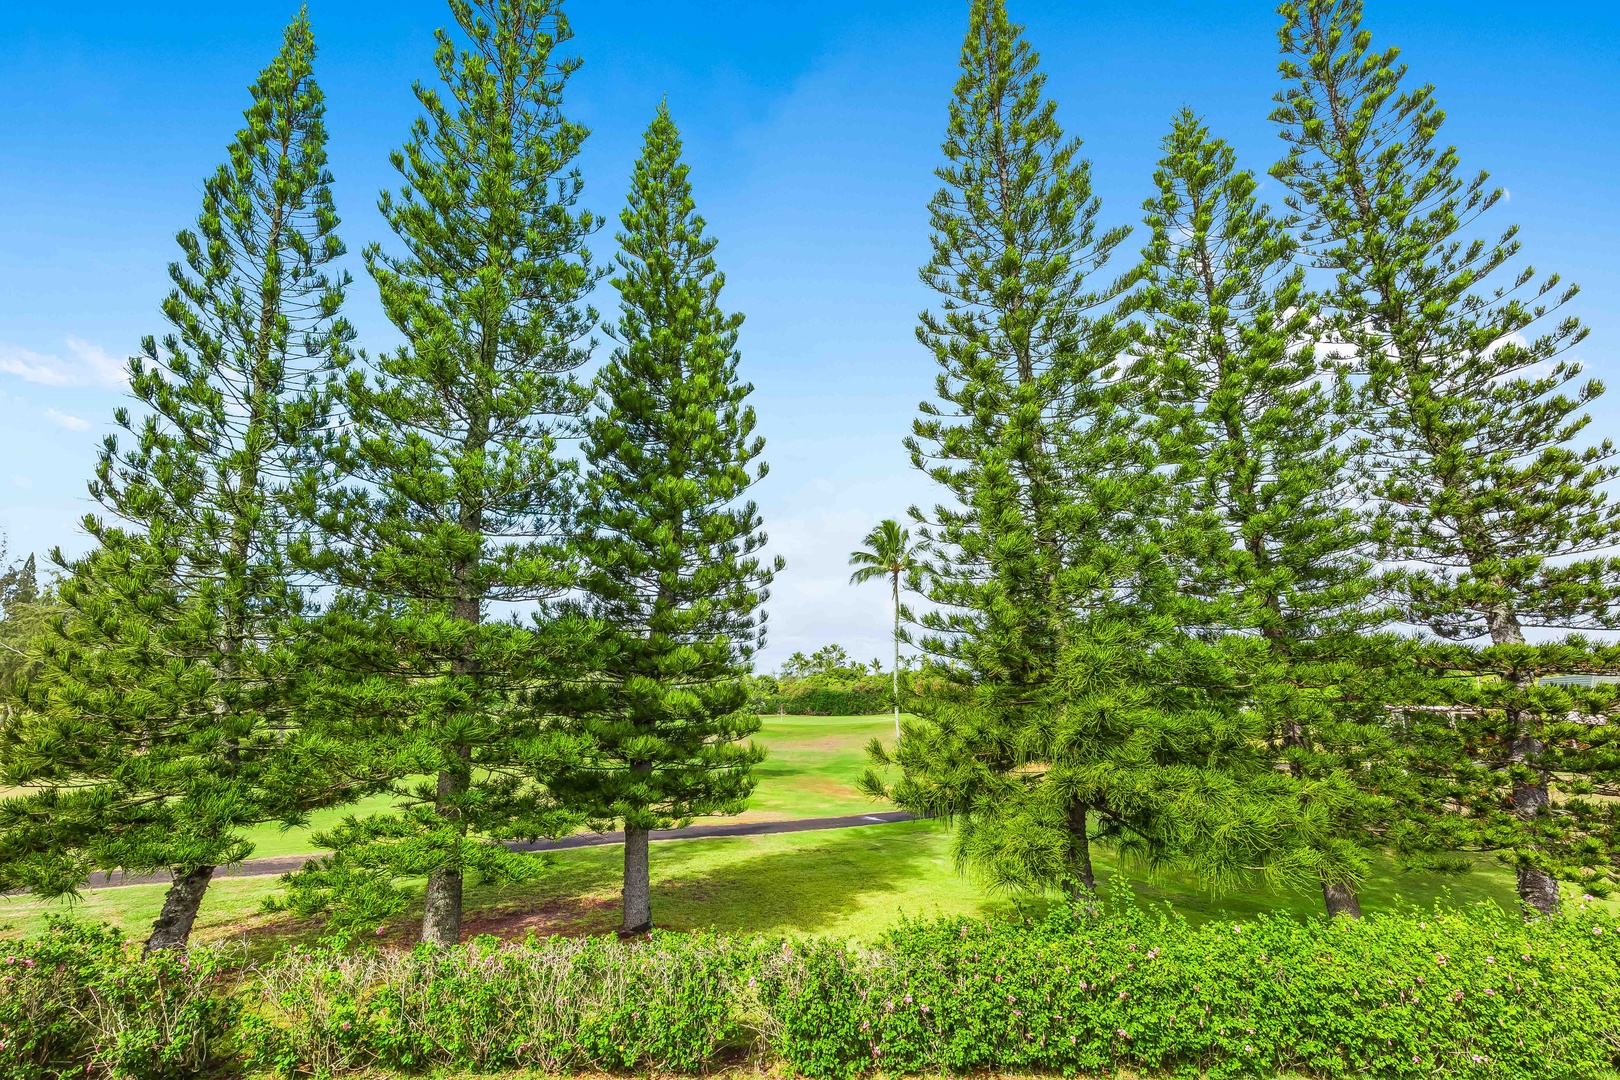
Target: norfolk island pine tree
x=671, y=574
x=1057, y=697
x=161, y=721
x=1497, y=522
x=888, y=553
x=1275, y=554
x=445, y=494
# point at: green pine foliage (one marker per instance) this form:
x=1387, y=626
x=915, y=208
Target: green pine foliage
x=1060, y=700
x=27, y=612
x=1497, y=521
x=159, y=726
x=670, y=551
x=444, y=500
x=1275, y=556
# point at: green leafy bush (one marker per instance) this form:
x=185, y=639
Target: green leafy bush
x=1448, y=993
x=668, y=1004
x=79, y=1000
x=797, y=699
x=1455, y=993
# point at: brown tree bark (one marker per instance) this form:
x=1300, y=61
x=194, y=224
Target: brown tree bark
x=1080, y=843
x=637, y=896
x=1340, y=898
x=441, y=912
x=172, y=928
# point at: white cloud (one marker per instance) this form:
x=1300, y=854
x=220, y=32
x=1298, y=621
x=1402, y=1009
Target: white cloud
x=104, y=368
x=812, y=602
x=22, y=482
x=33, y=367
x=88, y=365
x=72, y=423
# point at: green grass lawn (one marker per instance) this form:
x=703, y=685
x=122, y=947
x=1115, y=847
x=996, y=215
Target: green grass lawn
x=810, y=770
x=848, y=883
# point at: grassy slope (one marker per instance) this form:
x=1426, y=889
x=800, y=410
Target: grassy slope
x=850, y=883
x=810, y=771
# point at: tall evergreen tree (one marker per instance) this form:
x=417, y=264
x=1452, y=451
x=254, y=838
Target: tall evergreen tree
x=1059, y=696
x=446, y=495
x=1498, y=521
x=158, y=729
x=671, y=570
x=1275, y=554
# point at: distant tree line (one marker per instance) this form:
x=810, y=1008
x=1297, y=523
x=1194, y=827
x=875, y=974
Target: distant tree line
x=828, y=682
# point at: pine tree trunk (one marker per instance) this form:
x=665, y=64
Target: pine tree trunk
x=441, y=912
x=172, y=929
x=1538, y=890
x=637, y=882
x=1340, y=898
x=1080, y=844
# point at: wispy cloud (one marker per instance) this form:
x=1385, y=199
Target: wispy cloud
x=20, y=481
x=72, y=423
x=87, y=364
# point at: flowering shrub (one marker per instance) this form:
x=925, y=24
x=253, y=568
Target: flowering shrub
x=80, y=1001
x=1475, y=993
x=669, y=1004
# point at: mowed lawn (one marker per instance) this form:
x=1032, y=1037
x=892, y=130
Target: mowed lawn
x=845, y=883
x=851, y=883
x=810, y=770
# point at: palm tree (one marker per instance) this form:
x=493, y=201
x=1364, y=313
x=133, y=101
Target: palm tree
x=888, y=551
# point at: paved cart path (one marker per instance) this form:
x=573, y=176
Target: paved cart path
x=282, y=864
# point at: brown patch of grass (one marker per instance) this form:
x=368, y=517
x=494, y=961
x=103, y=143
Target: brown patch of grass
x=826, y=744
x=573, y=916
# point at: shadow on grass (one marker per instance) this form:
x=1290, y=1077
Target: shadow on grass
x=742, y=884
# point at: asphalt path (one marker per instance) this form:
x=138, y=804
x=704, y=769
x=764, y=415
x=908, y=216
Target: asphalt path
x=282, y=864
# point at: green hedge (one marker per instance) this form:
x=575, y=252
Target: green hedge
x=857, y=701
x=1476, y=993
x=80, y=1001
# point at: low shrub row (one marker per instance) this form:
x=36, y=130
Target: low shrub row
x=80, y=1001
x=1476, y=993
x=827, y=701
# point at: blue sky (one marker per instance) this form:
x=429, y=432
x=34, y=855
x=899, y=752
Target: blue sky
x=812, y=129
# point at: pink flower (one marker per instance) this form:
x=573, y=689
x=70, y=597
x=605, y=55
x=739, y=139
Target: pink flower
x=1247, y=1049
x=1490, y=959
x=1122, y=1033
